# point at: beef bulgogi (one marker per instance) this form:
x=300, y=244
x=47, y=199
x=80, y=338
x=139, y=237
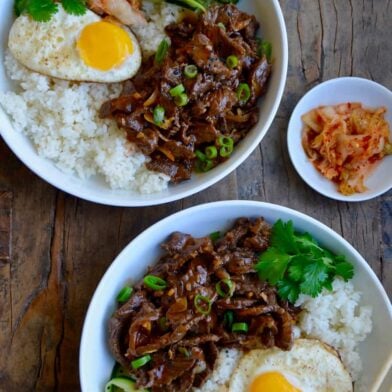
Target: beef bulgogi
x=202, y=296
x=198, y=92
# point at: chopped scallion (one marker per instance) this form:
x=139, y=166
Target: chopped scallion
x=215, y=236
x=120, y=383
x=202, y=304
x=243, y=93
x=124, y=294
x=139, y=362
x=175, y=91
x=226, y=151
x=200, y=156
x=204, y=166
x=162, y=50
x=154, y=282
x=181, y=100
x=222, y=26
x=240, y=327
x=225, y=288
x=228, y=319
x=211, y=152
x=232, y=61
x=190, y=71
x=159, y=114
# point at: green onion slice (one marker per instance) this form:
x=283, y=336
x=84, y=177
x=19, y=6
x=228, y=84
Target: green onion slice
x=243, y=93
x=118, y=371
x=162, y=50
x=202, y=304
x=139, y=362
x=222, y=26
x=215, y=236
x=124, y=294
x=181, y=99
x=240, y=327
x=154, y=282
x=225, y=141
x=175, y=91
x=190, y=71
x=200, y=155
x=211, y=152
x=228, y=319
x=225, y=151
x=159, y=114
x=232, y=61
x=184, y=352
x=264, y=48
x=163, y=324
x=125, y=384
x=225, y=288
x=204, y=166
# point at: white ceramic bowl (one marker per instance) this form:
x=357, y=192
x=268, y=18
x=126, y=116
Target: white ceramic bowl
x=332, y=92
x=96, y=363
x=269, y=15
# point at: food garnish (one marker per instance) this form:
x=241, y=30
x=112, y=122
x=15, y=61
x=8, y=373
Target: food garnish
x=345, y=142
x=297, y=264
x=124, y=294
x=43, y=10
x=211, y=299
x=208, y=81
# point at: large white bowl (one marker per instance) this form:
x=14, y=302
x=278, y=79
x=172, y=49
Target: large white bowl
x=332, y=92
x=269, y=15
x=96, y=363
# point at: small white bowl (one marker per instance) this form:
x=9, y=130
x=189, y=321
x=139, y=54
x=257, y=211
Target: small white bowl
x=273, y=29
x=95, y=360
x=332, y=92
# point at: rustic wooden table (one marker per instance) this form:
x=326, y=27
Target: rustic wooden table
x=54, y=248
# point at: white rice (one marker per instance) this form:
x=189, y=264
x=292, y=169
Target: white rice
x=336, y=318
x=61, y=118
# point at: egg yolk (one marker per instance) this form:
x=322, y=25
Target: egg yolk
x=271, y=382
x=103, y=45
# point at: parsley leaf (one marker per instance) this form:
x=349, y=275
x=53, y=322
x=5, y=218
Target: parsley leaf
x=74, y=7
x=344, y=269
x=314, y=276
x=20, y=6
x=41, y=10
x=272, y=265
x=297, y=264
x=283, y=237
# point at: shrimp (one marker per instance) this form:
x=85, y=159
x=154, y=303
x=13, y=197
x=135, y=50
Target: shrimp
x=126, y=12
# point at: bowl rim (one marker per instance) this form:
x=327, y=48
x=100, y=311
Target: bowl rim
x=144, y=236
x=291, y=132
x=82, y=191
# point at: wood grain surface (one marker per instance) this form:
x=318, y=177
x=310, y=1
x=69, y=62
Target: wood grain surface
x=54, y=248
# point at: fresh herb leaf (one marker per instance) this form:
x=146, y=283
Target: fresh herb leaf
x=264, y=48
x=42, y=10
x=283, y=237
x=314, y=276
x=297, y=264
x=74, y=7
x=20, y=6
x=344, y=269
x=288, y=290
x=272, y=265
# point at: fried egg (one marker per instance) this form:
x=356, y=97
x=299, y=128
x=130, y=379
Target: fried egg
x=80, y=48
x=308, y=367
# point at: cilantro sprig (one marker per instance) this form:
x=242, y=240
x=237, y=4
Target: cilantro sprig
x=43, y=10
x=297, y=264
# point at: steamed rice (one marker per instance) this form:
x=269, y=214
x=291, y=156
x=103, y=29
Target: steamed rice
x=334, y=317
x=61, y=118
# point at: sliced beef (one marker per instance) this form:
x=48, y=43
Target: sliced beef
x=198, y=40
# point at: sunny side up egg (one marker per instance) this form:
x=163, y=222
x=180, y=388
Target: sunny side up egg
x=79, y=48
x=310, y=366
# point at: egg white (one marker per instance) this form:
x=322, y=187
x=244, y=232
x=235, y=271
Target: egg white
x=309, y=366
x=50, y=48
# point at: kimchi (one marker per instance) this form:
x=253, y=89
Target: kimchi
x=345, y=142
